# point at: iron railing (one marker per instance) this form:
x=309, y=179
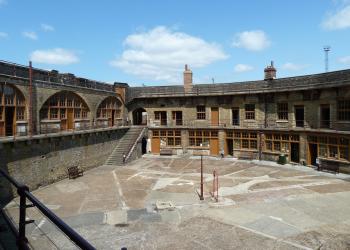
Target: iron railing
x=20, y=233
x=45, y=77
x=252, y=124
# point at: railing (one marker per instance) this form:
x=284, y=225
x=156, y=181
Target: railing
x=135, y=144
x=20, y=233
x=41, y=76
x=256, y=124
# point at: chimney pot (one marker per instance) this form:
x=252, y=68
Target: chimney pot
x=270, y=72
x=187, y=79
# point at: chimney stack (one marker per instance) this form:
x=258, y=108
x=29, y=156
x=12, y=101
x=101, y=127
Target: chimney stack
x=270, y=72
x=187, y=79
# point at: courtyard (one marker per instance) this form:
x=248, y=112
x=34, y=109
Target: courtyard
x=261, y=205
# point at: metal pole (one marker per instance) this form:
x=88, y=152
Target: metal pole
x=30, y=99
x=202, y=196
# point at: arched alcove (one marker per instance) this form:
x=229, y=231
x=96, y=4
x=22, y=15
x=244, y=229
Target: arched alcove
x=13, y=118
x=64, y=110
x=109, y=112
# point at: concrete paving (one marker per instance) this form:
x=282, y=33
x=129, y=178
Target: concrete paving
x=261, y=205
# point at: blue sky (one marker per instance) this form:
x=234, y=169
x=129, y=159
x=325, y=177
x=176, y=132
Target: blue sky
x=148, y=42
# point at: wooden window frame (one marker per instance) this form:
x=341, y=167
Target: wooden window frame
x=201, y=112
x=249, y=109
x=171, y=137
x=280, y=142
x=282, y=111
x=328, y=143
x=198, y=137
x=243, y=139
x=343, y=110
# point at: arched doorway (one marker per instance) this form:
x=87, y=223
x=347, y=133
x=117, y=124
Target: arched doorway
x=12, y=111
x=109, y=112
x=64, y=111
x=139, y=116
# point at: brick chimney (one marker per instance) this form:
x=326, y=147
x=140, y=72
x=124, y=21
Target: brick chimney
x=270, y=72
x=187, y=79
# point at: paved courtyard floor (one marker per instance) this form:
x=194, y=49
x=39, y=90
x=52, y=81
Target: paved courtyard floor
x=261, y=206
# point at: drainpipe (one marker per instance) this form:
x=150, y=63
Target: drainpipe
x=30, y=120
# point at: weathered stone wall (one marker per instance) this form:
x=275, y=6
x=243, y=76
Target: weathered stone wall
x=44, y=160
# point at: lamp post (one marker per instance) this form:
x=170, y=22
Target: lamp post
x=201, y=196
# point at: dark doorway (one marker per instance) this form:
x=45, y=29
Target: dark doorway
x=177, y=117
x=294, y=152
x=9, y=120
x=112, y=122
x=325, y=116
x=229, y=146
x=144, y=145
x=139, y=117
x=299, y=116
x=235, y=116
x=313, y=153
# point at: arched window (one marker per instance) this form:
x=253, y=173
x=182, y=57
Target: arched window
x=64, y=111
x=12, y=111
x=109, y=112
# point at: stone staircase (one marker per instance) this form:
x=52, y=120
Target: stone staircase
x=124, y=146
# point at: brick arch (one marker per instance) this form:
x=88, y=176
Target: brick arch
x=13, y=118
x=109, y=112
x=64, y=110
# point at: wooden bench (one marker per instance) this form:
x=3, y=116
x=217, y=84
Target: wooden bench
x=74, y=172
x=246, y=155
x=328, y=165
x=166, y=151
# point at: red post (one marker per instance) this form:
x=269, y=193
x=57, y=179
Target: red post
x=202, y=195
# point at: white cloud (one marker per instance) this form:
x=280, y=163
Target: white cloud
x=54, y=56
x=47, y=27
x=30, y=34
x=344, y=60
x=338, y=20
x=161, y=53
x=253, y=40
x=293, y=66
x=239, y=68
x=3, y=35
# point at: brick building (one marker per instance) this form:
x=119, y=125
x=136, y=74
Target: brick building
x=304, y=117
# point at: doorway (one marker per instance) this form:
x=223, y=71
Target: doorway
x=9, y=120
x=144, y=145
x=215, y=116
x=139, y=117
x=214, y=146
x=294, y=152
x=229, y=143
x=299, y=116
x=70, y=119
x=235, y=116
x=313, y=154
x=112, y=121
x=325, y=116
x=155, y=145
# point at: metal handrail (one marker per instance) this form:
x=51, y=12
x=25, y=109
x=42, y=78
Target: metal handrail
x=22, y=241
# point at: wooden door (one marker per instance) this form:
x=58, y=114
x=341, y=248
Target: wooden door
x=214, y=116
x=214, y=146
x=70, y=119
x=155, y=144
